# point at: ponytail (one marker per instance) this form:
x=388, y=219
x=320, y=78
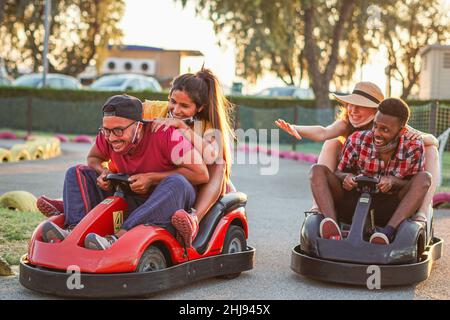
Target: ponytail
x=205, y=91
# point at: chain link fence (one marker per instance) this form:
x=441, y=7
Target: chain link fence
x=83, y=116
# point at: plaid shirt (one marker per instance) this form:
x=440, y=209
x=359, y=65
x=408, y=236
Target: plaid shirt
x=360, y=157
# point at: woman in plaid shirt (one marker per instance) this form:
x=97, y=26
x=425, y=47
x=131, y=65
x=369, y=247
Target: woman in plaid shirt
x=384, y=152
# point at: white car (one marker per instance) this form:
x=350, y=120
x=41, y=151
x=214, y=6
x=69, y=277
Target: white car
x=126, y=82
x=54, y=81
x=289, y=91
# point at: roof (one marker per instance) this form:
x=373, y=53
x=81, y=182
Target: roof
x=425, y=50
x=146, y=48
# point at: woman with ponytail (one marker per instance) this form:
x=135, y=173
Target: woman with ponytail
x=199, y=109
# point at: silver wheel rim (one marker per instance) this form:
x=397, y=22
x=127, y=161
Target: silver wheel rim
x=235, y=246
x=153, y=262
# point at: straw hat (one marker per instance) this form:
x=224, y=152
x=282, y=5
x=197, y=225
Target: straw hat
x=365, y=94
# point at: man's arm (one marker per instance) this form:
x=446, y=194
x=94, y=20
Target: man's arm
x=342, y=175
x=195, y=173
x=190, y=164
x=95, y=159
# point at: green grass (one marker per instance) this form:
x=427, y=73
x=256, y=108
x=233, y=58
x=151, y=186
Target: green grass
x=16, y=229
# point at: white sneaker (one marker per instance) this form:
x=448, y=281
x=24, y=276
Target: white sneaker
x=329, y=229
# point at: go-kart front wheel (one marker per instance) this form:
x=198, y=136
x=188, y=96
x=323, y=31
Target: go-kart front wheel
x=234, y=242
x=152, y=259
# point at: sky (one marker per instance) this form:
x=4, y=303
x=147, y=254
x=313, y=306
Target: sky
x=166, y=24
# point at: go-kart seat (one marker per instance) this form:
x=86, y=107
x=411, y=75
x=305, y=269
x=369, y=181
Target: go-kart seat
x=226, y=203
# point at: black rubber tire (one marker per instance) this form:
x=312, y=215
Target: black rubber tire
x=152, y=259
x=421, y=245
x=234, y=242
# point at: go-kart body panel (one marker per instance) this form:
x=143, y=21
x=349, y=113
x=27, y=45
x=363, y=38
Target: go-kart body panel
x=45, y=267
x=407, y=259
x=115, y=285
x=359, y=274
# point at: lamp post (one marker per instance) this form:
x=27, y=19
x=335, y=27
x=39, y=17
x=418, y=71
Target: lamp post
x=48, y=5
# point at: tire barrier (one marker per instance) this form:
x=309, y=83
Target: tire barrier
x=5, y=269
x=83, y=139
x=5, y=155
x=61, y=138
x=36, y=152
x=440, y=199
x=35, y=148
x=19, y=200
x=8, y=135
x=19, y=152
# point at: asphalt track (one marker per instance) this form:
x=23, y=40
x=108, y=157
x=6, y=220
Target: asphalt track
x=275, y=206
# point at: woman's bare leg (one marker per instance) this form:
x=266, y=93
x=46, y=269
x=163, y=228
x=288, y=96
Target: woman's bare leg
x=329, y=156
x=432, y=166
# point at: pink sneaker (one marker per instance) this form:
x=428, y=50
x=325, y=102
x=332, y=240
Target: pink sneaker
x=329, y=229
x=50, y=207
x=186, y=225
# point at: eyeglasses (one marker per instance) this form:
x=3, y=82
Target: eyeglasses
x=118, y=131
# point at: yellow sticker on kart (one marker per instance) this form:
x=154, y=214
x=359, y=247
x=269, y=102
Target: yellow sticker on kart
x=117, y=220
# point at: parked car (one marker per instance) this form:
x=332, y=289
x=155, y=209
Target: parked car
x=5, y=82
x=126, y=82
x=54, y=81
x=288, y=91
x=4, y=77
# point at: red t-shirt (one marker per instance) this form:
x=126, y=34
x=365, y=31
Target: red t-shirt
x=152, y=154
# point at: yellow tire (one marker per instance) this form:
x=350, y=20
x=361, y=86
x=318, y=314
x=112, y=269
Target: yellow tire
x=47, y=150
x=19, y=200
x=19, y=152
x=56, y=147
x=36, y=152
x=5, y=155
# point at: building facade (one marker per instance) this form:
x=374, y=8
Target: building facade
x=162, y=64
x=434, y=79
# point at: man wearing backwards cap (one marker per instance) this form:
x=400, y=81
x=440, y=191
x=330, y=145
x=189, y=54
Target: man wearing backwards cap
x=163, y=167
x=384, y=153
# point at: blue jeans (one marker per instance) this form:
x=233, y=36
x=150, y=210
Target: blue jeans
x=81, y=194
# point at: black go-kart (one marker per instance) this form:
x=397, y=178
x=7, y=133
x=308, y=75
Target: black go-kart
x=351, y=260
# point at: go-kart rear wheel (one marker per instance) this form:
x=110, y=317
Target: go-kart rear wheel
x=152, y=259
x=234, y=242
x=421, y=245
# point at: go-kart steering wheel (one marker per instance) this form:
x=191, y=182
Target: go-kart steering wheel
x=367, y=184
x=120, y=182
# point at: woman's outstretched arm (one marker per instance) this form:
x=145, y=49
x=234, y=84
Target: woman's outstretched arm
x=315, y=133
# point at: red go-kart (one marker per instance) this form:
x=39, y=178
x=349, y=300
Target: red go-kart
x=147, y=259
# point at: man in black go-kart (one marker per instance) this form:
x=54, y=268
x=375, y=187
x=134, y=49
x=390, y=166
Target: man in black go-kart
x=384, y=153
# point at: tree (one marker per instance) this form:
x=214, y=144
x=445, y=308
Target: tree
x=2, y=12
x=409, y=26
x=78, y=29
x=321, y=41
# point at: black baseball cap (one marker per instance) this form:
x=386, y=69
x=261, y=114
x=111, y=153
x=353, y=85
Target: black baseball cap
x=123, y=106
